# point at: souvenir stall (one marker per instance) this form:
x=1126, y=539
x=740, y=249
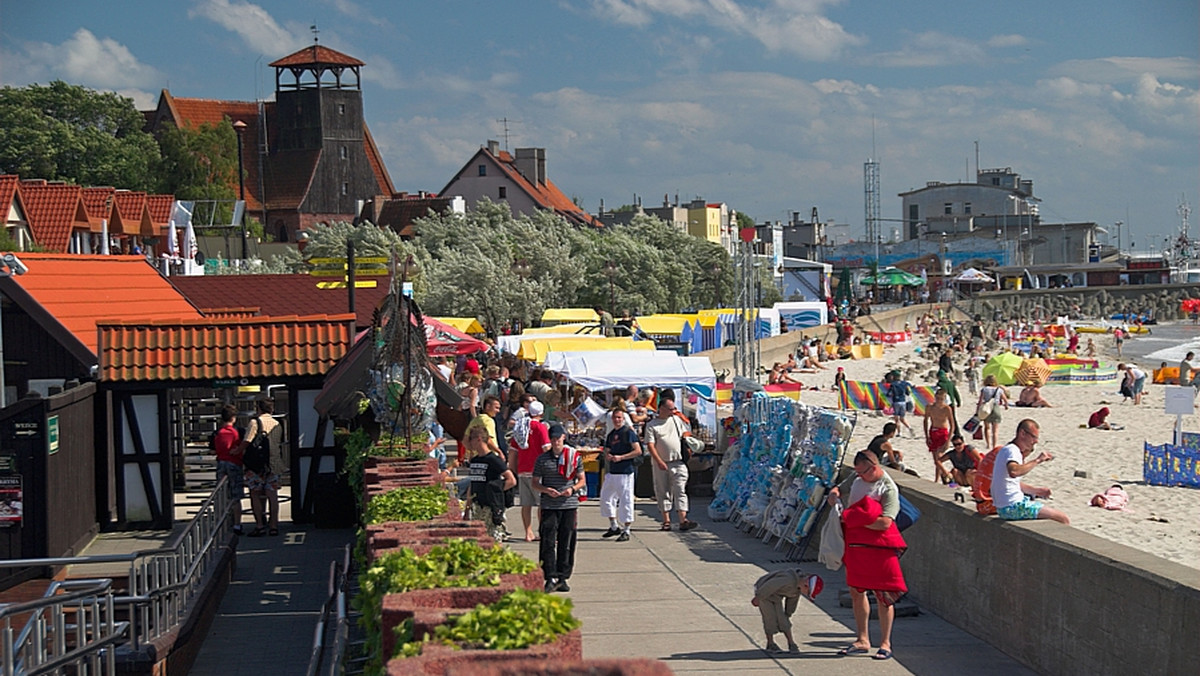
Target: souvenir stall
x=782, y=460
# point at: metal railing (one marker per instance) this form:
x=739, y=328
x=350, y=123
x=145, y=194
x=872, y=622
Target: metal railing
x=330, y=656
x=163, y=585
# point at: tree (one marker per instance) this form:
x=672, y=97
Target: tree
x=200, y=163
x=71, y=133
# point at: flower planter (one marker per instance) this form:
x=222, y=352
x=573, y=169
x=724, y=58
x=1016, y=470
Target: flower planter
x=429, y=608
x=438, y=659
x=429, y=465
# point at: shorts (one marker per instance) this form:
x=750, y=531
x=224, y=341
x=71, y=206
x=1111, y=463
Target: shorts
x=887, y=598
x=1025, y=510
x=900, y=408
x=235, y=473
x=1138, y=385
x=938, y=438
x=525, y=490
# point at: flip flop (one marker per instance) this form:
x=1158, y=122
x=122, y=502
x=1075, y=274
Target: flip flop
x=853, y=650
x=882, y=654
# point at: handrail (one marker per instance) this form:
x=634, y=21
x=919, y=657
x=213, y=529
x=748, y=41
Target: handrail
x=339, y=575
x=163, y=584
x=48, y=642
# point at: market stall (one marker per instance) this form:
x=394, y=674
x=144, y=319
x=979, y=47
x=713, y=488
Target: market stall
x=536, y=349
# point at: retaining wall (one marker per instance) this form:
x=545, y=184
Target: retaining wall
x=1060, y=600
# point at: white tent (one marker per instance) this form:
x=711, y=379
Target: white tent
x=660, y=368
x=971, y=275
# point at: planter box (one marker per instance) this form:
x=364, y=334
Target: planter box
x=439, y=659
x=609, y=667
x=401, y=533
x=429, y=465
x=429, y=608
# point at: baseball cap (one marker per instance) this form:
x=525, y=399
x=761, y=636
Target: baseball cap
x=815, y=585
x=536, y=408
x=472, y=366
x=557, y=430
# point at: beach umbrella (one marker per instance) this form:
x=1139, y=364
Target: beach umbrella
x=1033, y=370
x=892, y=277
x=441, y=339
x=973, y=276
x=1004, y=366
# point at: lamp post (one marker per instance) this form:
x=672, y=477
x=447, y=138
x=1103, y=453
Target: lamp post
x=521, y=269
x=716, y=273
x=610, y=271
x=240, y=127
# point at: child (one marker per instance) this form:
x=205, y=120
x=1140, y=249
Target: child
x=776, y=596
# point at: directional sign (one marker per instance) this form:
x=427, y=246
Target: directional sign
x=364, y=260
x=341, y=272
x=358, y=284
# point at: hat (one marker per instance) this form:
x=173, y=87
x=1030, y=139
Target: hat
x=815, y=585
x=557, y=430
x=472, y=366
x=841, y=369
x=536, y=408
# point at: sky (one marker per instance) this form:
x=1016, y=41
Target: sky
x=771, y=106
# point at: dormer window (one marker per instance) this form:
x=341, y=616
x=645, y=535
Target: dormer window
x=483, y=170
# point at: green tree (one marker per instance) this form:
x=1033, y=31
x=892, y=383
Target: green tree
x=200, y=163
x=71, y=133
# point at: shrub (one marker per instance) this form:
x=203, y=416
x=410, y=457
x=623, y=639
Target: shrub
x=409, y=503
x=520, y=619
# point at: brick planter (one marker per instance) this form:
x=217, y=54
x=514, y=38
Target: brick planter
x=611, y=667
x=429, y=608
x=439, y=659
x=428, y=465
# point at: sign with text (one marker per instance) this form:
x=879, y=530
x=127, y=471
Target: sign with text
x=52, y=435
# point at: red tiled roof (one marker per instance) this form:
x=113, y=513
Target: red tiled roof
x=96, y=201
x=398, y=213
x=288, y=177
x=314, y=55
x=8, y=189
x=160, y=207
x=195, y=112
x=546, y=195
x=131, y=206
x=204, y=349
x=376, y=160
x=53, y=211
x=76, y=291
x=276, y=295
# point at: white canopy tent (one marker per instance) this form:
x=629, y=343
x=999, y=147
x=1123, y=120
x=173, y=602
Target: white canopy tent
x=971, y=275
x=661, y=368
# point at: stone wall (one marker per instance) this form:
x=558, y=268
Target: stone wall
x=1060, y=600
x=1096, y=301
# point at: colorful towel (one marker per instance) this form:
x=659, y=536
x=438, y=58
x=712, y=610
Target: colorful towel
x=864, y=395
x=789, y=390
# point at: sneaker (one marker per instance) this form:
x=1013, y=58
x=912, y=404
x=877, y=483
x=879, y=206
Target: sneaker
x=687, y=525
x=623, y=537
x=551, y=586
x=562, y=586
x=611, y=532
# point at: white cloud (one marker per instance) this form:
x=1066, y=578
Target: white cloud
x=253, y=24
x=1116, y=69
x=83, y=58
x=929, y=49
x=785, y=26
x=357, y=11
x=1007, y=41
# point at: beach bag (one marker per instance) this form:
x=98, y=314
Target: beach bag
x=972, y=424
x=986, y=408
x=833, y=543
x=257, y=457
x=908, y=515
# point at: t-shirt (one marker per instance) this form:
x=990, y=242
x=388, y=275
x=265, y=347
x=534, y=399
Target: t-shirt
x=224, y=442
x=1096, y=419
x=538, y=389
x=1137, y=373
x=898, y=391
x=667, y=436
x=485, y=421
x=962, y=460
x=1185, y=367
x=539, y=440
x=485, y=468
x=546, y=469
x=620, y=442
x=884, y=491
x=1005, y=489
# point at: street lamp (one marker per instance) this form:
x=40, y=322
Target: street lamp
x=610, y=271
x=240, y=127
x=716, y=273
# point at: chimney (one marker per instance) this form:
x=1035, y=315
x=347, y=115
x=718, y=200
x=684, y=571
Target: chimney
x=531, y=162
x=493, y=148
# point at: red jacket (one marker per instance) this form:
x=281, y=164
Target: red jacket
x=872, y=557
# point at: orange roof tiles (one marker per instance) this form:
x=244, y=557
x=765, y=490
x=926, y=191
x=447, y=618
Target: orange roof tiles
x=97, y=202
x=316, y=55
x=53, y=210
x=205, y=349
x=276, y=295
x=545, y=194
x=159, y=207
x=77, y=291
x=131, y=206
x=8, y=189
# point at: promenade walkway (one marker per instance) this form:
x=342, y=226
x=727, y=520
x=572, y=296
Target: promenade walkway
x=679, y=597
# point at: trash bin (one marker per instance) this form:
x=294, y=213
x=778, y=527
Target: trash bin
x=333, y=502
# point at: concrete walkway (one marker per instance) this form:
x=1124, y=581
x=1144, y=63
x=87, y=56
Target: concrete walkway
x=684, y=598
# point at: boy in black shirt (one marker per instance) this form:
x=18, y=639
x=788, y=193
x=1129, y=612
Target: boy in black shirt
x=558, y=475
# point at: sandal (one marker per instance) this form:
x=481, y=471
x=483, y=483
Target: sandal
x=257, y=532
x=273, y=531
x=666, y=526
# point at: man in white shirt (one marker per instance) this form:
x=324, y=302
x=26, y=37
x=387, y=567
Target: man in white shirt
x=1189, y=371
x=1009, y=493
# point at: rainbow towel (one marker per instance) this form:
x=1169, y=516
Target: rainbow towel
x=864, y=395
x=789, y=390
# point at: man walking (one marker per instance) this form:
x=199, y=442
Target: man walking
x=937, y=432
x=664, y=440
x=621, y=450
x=558, y=476
x=1009, y=493
x=522, y=457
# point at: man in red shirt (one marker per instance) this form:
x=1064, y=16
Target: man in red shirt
x=523, y=456
x=229, y=460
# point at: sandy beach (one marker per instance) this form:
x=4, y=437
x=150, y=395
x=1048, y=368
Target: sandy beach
x=1160, y=520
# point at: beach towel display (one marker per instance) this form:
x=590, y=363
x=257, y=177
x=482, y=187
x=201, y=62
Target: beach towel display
x=774, y=479
x=1171, y=465
x=865, y=395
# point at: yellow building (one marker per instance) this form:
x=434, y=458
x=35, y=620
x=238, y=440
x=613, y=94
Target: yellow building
x=704, y=220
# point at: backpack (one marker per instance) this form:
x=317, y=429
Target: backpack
x=981, y=491
x=908, y=515
x=257, y=457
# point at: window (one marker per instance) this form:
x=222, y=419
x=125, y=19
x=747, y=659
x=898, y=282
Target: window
x=948, y=208
x=483, y=170
x=345, y=188
x=341, y=109
x=343, y=153
x=996, y=180
x=503, y=192
x=966, y=207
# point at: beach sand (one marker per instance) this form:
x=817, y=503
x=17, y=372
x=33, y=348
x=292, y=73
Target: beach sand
x=1164, y=521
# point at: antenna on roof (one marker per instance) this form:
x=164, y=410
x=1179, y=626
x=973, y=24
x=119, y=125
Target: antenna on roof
x=505, y=121
x=315, y=32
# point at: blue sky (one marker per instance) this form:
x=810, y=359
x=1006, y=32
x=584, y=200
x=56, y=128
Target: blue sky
x=769, y=106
